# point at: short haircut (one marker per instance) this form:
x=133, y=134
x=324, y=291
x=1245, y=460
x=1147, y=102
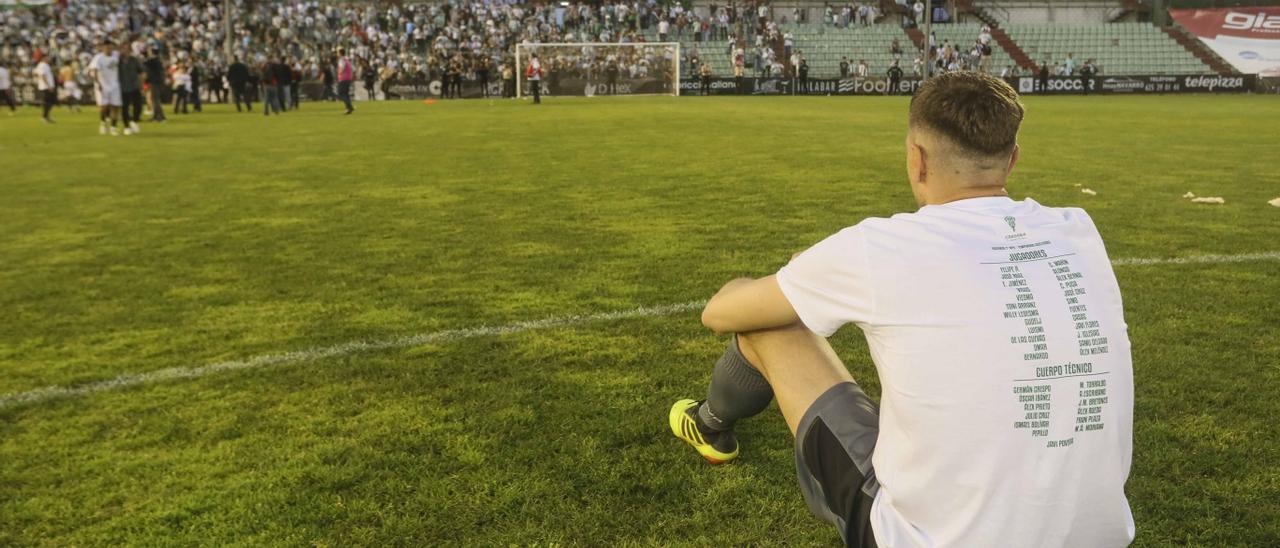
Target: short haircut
x=977, y=112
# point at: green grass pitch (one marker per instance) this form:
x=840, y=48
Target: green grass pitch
x=223, y=237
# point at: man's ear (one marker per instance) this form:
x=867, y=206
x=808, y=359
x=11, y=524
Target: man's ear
x=916, y=161
x=1013, y=160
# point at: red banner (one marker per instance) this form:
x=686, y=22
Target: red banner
x=1246, y=37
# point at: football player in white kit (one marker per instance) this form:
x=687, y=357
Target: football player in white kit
x=105, y=69
x=997, y=331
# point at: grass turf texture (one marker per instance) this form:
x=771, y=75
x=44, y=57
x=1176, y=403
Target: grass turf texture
x=224, y=236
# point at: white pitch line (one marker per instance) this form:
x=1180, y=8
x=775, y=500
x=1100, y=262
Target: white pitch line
x=47, y=393
x=345, y=349
x=1201, y=259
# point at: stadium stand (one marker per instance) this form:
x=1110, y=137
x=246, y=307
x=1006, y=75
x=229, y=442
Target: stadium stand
x=716, y=52
x=823, y=46
x=424, y=40
x=962, y=35
x=1118, y=48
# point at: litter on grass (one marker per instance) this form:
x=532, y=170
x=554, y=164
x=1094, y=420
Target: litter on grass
x=1209, y=200
x=1088, y=191
x=1275, y=202
x=1189, y=195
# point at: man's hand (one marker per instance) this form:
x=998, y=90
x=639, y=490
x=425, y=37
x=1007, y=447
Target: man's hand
x=745, y=305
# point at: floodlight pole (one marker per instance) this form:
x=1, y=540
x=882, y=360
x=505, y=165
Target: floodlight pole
x=928, y=32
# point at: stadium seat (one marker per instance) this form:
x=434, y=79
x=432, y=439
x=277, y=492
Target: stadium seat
x=1118, y=48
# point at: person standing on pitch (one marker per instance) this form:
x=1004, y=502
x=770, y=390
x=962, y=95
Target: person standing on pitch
x=895, y=78
x=738, y=61
x=370, y=75
x=181, y=89
x=130, y=89
x=1086, y=75
x=346, y=75
x=295, y=85
x=452, y=73
x=238, y=77
x=533, y=74
x=803, y=70
x=69, y=75
x=105, y=71
x=611, y=72
x=706, y=79
x=483, y=65
x=155, y=82
x=327, y=78
x=197, y=77
x=1006, y=411
x=6, y=88
x=46, y=85
x=270, y=89
x=508, y=81
x=284, y=82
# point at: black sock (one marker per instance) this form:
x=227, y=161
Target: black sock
x=737, y=391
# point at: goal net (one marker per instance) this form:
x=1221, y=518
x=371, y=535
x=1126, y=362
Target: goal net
x=589, y=69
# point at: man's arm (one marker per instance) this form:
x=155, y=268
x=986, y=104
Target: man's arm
x=747, y=304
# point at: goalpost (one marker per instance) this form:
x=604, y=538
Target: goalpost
x=588, y=69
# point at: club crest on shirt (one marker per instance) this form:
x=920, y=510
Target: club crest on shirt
x=1013, y=224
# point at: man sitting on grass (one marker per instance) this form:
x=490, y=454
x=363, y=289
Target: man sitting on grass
x=996, y=329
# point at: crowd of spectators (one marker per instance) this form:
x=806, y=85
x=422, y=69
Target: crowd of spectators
x=388, y=42
x=415, y=42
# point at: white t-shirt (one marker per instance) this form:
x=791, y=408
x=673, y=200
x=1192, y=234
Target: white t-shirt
x=5, y=81
x=106, y=70
x=44, y=77
x=663, y=26
x=997, y=331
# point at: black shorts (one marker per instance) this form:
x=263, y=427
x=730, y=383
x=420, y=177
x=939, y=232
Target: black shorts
x=834, y=443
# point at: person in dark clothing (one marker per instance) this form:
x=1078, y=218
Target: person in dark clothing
x=1086, y=76
x=326, y=77
x=482, y=72
x=611, y=78
x=895, y=78
x=370, y=79
x=6, y=92
x=844, y=67
x=553, y=80
x=253, y=88
x=217, y=90
x=155, y=81
x=130, y=89
x=295, y=87
x=456, y=67
x=196, y=74
x=452, y=70
x=238, y=77
x=284, y=82
x=1044, y=77
x=706, y=79
x=804, y=75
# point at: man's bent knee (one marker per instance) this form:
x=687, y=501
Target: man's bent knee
x=753, y=344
